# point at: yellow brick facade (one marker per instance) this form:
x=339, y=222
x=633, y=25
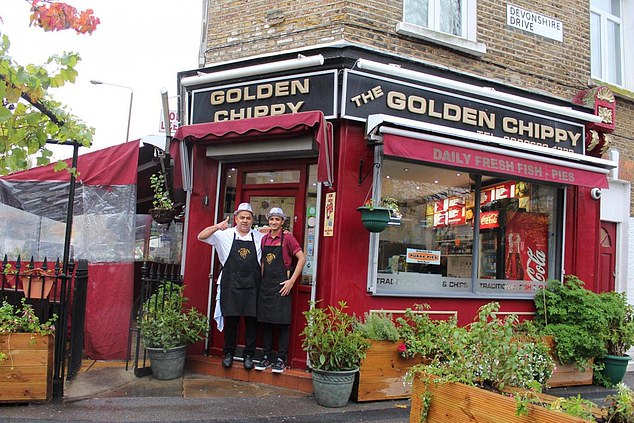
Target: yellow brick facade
x=241, y=29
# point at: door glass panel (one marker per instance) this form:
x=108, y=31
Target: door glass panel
x=272, y=177
x=262, y=204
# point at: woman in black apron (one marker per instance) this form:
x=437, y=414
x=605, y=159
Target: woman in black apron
x=273, y=308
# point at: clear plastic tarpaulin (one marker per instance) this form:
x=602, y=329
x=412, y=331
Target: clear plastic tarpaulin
x=33, y=209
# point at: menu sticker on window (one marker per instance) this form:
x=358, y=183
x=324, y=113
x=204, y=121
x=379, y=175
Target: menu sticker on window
x=415, y=255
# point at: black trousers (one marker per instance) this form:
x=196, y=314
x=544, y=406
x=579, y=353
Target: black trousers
x=282, y=340
x=231, y=334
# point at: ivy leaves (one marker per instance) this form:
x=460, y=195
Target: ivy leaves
x=29, y=116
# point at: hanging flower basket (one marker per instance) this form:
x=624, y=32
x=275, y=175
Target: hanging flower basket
x=375, y=219
x=163, y=215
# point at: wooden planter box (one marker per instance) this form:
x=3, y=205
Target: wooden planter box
x=568, y=374
x=26, y=375
x=381, y=374
x=458, y=403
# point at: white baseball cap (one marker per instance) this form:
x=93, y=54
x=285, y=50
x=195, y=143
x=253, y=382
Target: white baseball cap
x=243, y=207
x=276, y=211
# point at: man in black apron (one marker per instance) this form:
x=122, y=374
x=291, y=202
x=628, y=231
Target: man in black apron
x=239, y=251
x=274, y=299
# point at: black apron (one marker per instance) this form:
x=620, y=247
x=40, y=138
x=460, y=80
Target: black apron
x=272, y=306
x=240, y=280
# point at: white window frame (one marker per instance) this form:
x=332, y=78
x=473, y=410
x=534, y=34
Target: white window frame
x=466, y=43
x=627, y=42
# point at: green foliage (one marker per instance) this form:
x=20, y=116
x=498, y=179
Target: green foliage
x=488, y=353
x=423, y=336
x=22, y=319
x=573, y=406
x=620, y=321
x=620, y=407
x=161, y=196
x=575, y=317
x=332, y=339
x=379, y=326
x=165, y=324
x=28, y=114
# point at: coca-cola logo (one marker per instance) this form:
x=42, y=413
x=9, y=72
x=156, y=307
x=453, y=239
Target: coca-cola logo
x=489, y=220
x=536, y=265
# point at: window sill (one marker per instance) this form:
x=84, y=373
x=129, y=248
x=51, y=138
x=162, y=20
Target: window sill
x=451, y=41
x=616, y=89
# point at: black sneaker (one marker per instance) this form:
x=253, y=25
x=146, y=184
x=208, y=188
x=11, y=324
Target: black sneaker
x=228, y=360
x=248, y=362
x=279, y=366
x=263, y=364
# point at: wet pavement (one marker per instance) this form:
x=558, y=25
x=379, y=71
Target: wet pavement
x=106, y=392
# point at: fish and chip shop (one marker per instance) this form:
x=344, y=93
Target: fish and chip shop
x=498, y=188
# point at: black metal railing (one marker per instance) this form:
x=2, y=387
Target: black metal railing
x=48, y=290
x=156, y=278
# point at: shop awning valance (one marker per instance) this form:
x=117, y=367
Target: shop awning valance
x=280, y=125
x=493, y=160
x=452, y=147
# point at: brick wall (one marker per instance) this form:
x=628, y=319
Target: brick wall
x=239, y=29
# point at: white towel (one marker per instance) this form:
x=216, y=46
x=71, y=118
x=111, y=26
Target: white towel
x=220, y=322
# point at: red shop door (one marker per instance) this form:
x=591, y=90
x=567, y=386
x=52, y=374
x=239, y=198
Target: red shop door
x=607, y=257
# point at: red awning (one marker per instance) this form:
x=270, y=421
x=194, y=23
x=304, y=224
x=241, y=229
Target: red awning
x=116, y=165
x=493, y=161
x=283, y=125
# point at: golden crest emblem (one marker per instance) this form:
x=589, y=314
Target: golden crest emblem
x=269, y=258
x=244, y=252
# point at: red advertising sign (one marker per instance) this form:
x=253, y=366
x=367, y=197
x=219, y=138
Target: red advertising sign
x=471, y=158
x=489, y=220
x=526, y=246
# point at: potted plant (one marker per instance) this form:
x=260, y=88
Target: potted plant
x=163, y=210
x=376, y=216
x=335, y=347
x=574, y=317
x=619, y=335
x=167, y=328
x=26, y=354
x=382, y=370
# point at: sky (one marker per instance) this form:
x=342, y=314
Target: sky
x=138, y=44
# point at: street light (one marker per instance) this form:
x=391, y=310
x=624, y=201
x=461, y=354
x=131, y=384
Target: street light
x=95, y=82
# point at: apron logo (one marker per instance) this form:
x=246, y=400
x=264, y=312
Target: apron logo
x=244, y=252
x=269, y=258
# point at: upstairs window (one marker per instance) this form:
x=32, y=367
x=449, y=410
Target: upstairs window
x=438, y=15
x=451, y=23
x=610, y=23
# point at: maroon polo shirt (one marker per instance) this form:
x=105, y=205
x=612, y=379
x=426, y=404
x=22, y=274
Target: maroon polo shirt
x=289, y=249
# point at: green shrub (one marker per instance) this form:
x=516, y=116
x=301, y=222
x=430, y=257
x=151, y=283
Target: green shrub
x=379, y=326
x=332, y=339
x=575, y=317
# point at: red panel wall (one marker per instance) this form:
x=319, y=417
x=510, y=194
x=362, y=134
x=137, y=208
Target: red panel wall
x=197, y=264
x=582, y=232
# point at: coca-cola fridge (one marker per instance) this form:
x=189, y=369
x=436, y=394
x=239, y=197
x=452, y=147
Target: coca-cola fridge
x=526, y=246
x=514, y=246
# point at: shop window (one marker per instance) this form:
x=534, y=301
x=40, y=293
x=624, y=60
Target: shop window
x=444, y=245
x=610, y=24
x=451, y=23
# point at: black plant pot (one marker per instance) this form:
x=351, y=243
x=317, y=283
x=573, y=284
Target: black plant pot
x=163, y=215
